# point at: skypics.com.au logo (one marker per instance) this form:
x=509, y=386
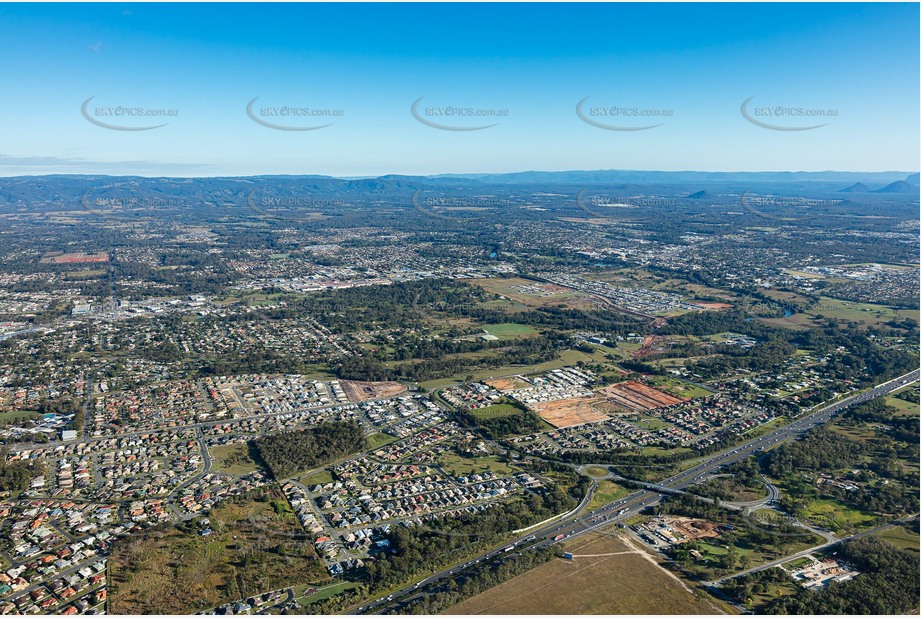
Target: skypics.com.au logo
x=115, y=202
x=604, y=206
x=787, y=208
x=291, y=117
x=290, y=207
x=124, y=117
x=455, y=117
x=457, y=208
x=621, y=117
x=780, y=117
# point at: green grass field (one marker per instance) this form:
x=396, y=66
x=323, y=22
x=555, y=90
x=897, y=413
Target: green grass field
x=864, y=314
x=379, y=439
x=835, y=515
x=861, y=434
x=79, y=275
x=650, y=451
x=510, y=331
x=597, y=471
x=456, y=465
x=607, y=492
x=19, y=415
x=796, y=564
x=317, y=478
x=249, y=297
x=901, y=538
x=856, y=312
x=714, y=549
x=906, y=408
x=678, y=388
x=322, y=593
x=649, y=423
x=566, y=358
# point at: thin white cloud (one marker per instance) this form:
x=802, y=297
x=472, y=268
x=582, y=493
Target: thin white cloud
x=29, y=166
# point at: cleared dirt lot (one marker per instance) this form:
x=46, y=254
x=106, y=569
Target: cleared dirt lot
x=638, y=397
x=607, y=575
x=569, y=412
x=362, y=391
x=507, y=384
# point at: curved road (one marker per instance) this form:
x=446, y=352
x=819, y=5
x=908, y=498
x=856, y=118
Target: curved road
x=574, y=524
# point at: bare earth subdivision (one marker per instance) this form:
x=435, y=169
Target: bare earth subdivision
x=363, y=391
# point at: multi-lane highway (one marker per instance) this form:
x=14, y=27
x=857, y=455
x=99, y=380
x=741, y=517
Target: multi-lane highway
x=576, y=523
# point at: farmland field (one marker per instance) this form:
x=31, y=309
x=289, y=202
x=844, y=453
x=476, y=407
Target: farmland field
x=863, y=314
x=608, y=575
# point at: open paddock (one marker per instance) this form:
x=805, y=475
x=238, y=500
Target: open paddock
x=607, y=575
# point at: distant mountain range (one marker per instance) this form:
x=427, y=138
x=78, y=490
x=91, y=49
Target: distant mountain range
x=27, y=191
x=857, y=187
x=908, y=185
x=899, y=186
x=657, y=177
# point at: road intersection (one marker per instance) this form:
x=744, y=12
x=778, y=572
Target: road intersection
x=575, y=523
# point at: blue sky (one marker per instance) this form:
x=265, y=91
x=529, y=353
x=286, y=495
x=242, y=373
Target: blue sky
x=693, y=65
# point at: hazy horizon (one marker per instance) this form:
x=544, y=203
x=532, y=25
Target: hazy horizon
x=472, y=174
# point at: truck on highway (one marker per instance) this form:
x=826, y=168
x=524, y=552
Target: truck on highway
x=509, y=548
x=559, y=537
